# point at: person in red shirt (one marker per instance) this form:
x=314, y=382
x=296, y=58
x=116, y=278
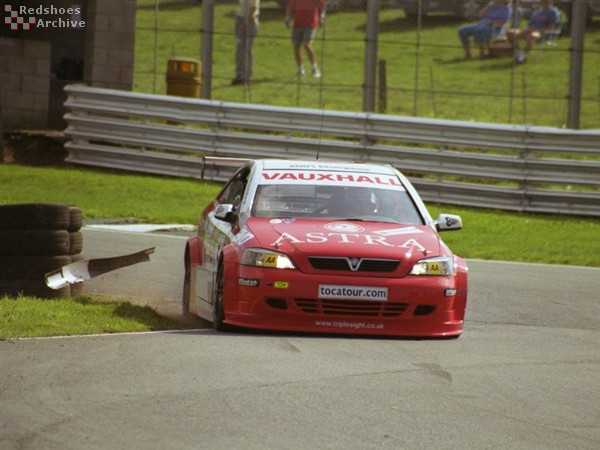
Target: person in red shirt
x=307, y=16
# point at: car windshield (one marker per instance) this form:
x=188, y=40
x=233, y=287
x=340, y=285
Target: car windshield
x=335, y=202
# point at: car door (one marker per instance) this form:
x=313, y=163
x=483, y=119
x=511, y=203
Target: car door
x=216, y=233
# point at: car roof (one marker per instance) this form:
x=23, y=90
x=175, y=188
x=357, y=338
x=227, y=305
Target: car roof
x=319, y=165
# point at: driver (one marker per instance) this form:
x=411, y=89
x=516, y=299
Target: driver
x=360, y=201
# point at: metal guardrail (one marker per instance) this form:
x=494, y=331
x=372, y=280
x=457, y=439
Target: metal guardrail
x=521, y=168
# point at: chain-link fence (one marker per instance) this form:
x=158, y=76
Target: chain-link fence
x=400, y=57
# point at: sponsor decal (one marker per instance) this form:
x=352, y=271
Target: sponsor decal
x=346, y=324
x=343, y=238
x=242, y=237
x=450, y=221
x=434, y=268
x=249, y=282
x=323, y=166
x=282, y=220
x=399, y=231
x=341, y=227
x=281, y=284
x=353, y=292
x=450, y=292
x=270, y=260
x=331, y=179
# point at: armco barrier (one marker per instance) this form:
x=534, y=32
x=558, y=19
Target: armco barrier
x=521, y=168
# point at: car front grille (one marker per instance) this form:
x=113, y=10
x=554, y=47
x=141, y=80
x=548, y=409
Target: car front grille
x=353, y=264
x=350, y=307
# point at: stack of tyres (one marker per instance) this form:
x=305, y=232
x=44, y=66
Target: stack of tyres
x=36, y=238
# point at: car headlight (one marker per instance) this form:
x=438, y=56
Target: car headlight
x=440, y=265
x=259, y=257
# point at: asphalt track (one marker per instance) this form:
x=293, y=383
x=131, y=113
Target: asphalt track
x=525, y=374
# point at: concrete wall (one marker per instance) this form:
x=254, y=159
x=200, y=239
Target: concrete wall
x=110, y=44
x=25, y=81
x=36, y=64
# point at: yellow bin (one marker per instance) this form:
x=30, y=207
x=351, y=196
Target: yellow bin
x=184, y=77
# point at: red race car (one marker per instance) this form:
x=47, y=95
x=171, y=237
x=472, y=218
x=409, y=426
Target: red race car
x=324, y=247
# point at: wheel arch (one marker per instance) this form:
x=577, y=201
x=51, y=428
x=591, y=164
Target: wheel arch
x=462, y=286
x=228, y=264
x=193, y=251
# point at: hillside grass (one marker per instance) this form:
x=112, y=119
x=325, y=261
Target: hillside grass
x=421, y=80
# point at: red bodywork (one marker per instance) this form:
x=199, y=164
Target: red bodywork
x=269, y=255
x=289, y=300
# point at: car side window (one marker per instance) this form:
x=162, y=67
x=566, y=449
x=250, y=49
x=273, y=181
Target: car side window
x=234, y=190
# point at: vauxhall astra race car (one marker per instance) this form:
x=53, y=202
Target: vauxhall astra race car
x=324, y=247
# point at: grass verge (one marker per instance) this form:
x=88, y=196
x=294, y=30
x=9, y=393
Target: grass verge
x=149, y=199
x=33, y=317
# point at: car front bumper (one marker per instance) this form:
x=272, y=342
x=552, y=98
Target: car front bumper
x=416, y=306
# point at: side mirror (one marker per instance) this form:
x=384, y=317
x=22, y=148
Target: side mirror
x=226, y=212
x=448, y=222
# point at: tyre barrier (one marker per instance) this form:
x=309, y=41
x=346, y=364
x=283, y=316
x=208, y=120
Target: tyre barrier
x=36, y=238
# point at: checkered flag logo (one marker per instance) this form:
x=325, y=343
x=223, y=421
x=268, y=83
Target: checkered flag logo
x=14, y=20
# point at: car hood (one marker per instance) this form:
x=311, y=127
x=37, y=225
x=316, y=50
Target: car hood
x=345, y=238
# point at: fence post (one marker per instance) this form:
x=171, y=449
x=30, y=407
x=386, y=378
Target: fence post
x=382, y=87
x=371, y=55
x=578, y=14
x=208, y=13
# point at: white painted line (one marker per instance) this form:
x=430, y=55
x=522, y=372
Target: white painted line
x=108, y=334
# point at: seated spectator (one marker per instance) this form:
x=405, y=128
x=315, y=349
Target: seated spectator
x=544, y=19
x=492, y=18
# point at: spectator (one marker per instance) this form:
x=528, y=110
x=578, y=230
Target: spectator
x=492, y=18
x=307, y=15
x=544, y=19
x=246, y=28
